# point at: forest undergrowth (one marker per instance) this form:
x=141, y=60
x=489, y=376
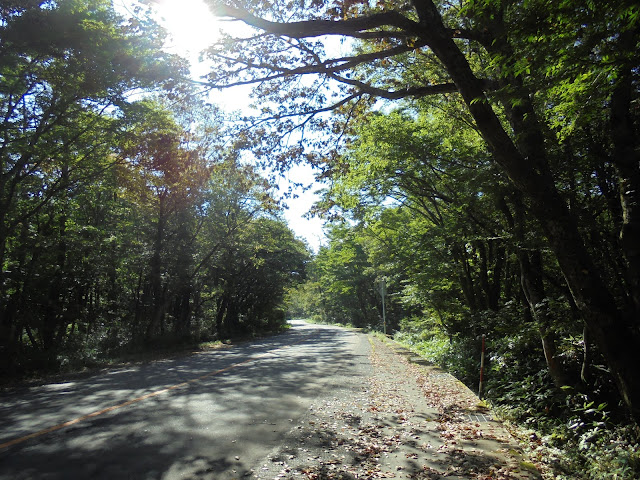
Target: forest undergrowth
x=567, y=433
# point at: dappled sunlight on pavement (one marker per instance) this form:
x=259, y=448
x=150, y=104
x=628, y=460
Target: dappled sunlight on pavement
x=397, y=420
x=318, y=402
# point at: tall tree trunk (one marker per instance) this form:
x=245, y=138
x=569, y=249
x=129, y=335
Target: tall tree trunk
x=182, y=311
x=157, y=291
x=491, y=259
x=54, y=326
x=184, y=287
x=483, y=274
x=626, y=158
x=586, y=357
x=465, y=277
x=531, y=280
x=533, y=287
x=4, y=208
x=221, y=311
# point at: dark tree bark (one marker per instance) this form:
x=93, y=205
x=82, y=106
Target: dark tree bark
x=492, y=257
x=626, y=158
x=155, y=279
x=465, y=277
x=531, y=280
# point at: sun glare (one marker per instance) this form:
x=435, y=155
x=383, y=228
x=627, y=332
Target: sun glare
x=191, y=25
x=192, y=28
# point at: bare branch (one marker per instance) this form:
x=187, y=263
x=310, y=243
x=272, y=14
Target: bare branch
x=311, y=112
x=397, y=94
x=352, y=27
x=322, y=67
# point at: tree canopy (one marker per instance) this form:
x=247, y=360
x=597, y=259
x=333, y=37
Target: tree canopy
x=516, y=71
x=126, y=216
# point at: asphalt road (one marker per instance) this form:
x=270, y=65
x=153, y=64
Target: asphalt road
x=213, y=415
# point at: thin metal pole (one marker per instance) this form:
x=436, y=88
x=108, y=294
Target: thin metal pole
x=384, y=317
x=480, y=392
x=382, y=285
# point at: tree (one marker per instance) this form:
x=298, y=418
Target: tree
x=495, y=56
x=469, y=225
x=251, y=256
x=127, y=217
x=344, y=281
x=66, y=70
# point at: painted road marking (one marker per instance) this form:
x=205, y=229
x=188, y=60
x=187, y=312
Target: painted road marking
x=97, y=413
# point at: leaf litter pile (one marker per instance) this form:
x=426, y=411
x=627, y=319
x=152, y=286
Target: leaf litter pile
x=401, y=420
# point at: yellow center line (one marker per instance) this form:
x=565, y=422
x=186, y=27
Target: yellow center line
x=97, y=413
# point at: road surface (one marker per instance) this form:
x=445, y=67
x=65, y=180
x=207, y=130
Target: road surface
x=213, y=414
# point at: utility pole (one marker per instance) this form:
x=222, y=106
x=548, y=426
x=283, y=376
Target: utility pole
x=481, y=385
x=383, y=292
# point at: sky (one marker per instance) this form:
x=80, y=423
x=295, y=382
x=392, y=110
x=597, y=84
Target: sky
x=192, y=28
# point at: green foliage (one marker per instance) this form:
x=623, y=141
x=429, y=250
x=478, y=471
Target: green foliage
x=424, y=338
x=125, y=220
x=498, y=195
x=433, y=215
x=570, y=434
x=342, y=282
x=126, y=223
x=544, y=197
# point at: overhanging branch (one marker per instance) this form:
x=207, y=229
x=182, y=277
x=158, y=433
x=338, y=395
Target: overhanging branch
x=325, y=67
x=351, y=27
x=398, y=94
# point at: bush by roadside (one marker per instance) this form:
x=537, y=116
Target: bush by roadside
x=570, y=434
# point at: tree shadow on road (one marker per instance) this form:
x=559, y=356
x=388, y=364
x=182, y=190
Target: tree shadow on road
x=215, y=426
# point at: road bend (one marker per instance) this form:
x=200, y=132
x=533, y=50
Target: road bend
x=214, y=414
